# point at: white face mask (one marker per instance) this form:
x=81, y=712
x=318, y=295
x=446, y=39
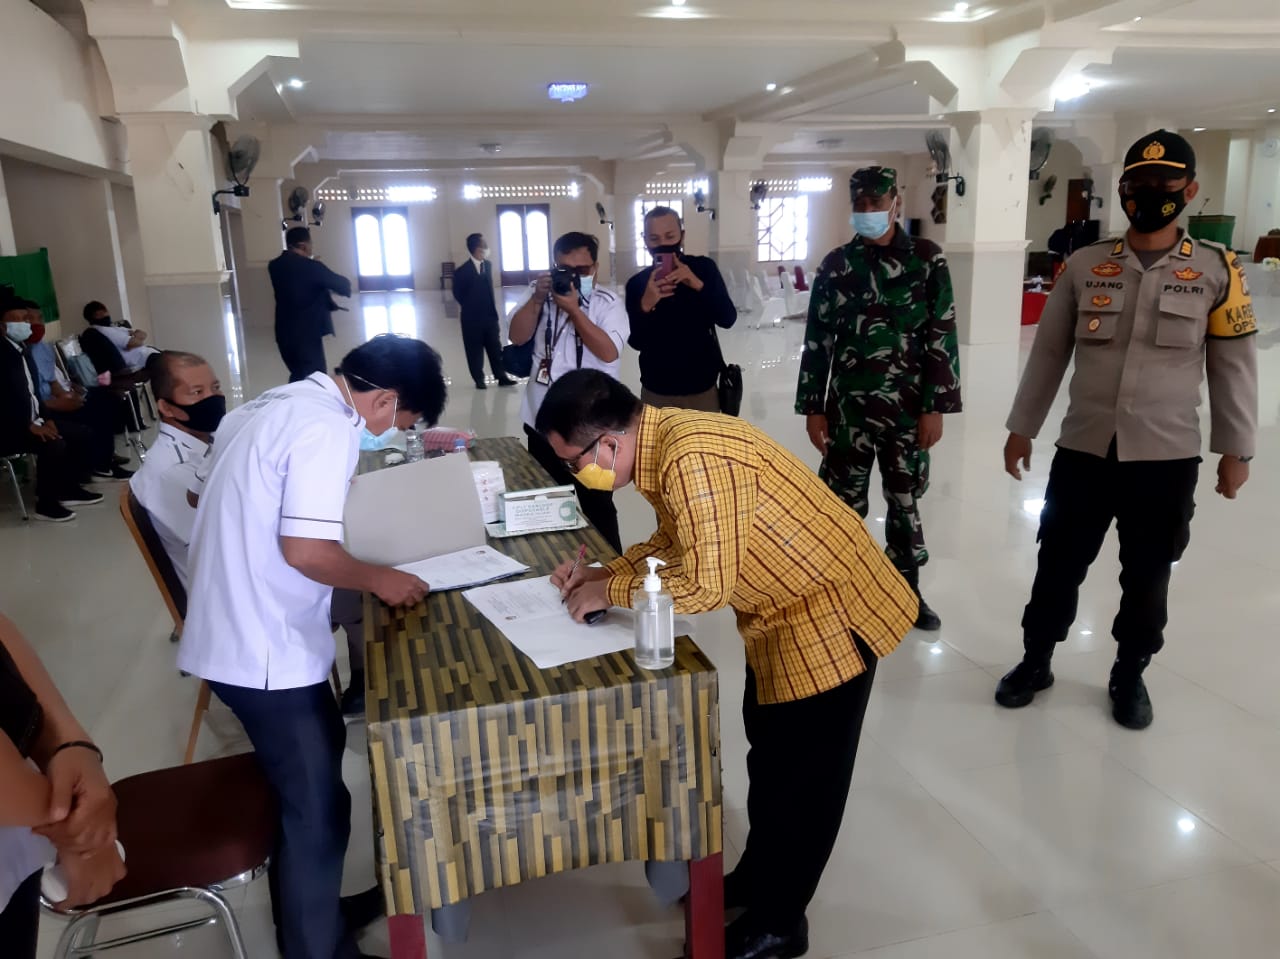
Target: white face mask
x=585, y=285
x=873, y=224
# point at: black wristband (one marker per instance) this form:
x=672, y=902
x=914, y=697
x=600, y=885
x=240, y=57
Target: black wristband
x=77, y=744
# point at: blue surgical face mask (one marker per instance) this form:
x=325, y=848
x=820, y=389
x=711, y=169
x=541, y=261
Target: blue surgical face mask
x=585, y=285
x=19, y=332
x=873, y=224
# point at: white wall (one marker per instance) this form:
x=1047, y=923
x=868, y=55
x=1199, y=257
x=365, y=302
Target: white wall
x=1066, y=163
x=67, y=214
x=50, y=103
x=1212, y=148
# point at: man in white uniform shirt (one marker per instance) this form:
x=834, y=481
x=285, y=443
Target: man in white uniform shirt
x=266, y=553
x=191, y=405
x=583, y=329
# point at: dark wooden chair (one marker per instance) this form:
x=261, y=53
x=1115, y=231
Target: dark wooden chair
x=446, y=273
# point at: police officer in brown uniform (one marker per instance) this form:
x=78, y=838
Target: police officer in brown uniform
x=1146, y=316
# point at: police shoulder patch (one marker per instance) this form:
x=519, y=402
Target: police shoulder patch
x=1232, y=315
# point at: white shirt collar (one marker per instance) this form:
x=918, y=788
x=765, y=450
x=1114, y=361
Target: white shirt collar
x=330, y=385
x=479, y=264
x=184, y=439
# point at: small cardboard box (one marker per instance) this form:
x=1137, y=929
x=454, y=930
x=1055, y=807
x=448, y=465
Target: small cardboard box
x=555, y=507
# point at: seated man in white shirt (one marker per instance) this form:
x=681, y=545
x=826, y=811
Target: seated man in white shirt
x=266, y=553
x=191, y=405
x=583, y=327
x=130, y=342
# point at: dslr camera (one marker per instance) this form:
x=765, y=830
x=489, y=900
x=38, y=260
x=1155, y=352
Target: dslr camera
x=564, y=281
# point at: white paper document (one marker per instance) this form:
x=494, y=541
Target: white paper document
x=466, y=567
x=530, y=614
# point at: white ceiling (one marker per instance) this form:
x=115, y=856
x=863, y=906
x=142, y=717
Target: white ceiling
x=1212, y=88
x=458, y=77
x=414, y=81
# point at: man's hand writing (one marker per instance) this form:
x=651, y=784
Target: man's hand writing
x=587, y=597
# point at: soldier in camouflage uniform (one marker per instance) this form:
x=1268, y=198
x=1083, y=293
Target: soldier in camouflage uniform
x=880, y=367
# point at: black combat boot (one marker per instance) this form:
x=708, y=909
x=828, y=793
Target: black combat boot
x=1019, y=685
x=1130, y=703
x=926, y=618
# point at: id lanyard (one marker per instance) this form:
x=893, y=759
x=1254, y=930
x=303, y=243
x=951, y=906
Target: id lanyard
x=551, y=344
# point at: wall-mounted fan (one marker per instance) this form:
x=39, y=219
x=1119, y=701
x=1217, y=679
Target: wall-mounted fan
x=603, y=214
x=1041, y=144
x=317, y=213
x=241, y=159
x=700, y=202
x=298, y=199
x=940, y=152
x=759, y=190
x=1046, y=188
x=1091, y=198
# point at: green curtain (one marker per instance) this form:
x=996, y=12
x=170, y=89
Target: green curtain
x=32, y=277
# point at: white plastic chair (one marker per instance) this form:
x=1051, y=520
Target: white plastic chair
x=797, y=303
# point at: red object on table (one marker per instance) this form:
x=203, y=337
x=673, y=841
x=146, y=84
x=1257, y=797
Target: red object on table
x=1032, y=306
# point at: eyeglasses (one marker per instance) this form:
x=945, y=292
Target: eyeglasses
x=1162, y=181
x=572, y=464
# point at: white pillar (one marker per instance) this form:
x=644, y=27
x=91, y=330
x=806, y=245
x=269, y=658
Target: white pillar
x=987, y=227
x=260, y=215
x=117, y=255
x=174, y=176
x=733, y=232
x=1239, y=165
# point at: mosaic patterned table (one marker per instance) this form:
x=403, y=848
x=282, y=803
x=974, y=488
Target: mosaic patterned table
x=488, y=771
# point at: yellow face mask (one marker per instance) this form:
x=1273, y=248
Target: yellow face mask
x=596, y=477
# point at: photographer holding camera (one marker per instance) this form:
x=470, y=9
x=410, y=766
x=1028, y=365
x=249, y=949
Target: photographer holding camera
x=574, y=325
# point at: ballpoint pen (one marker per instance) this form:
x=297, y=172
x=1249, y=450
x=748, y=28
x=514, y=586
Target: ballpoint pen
x=582, y=554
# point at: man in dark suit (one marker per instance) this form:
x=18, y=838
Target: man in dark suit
x=62, y=462
x=303, y=304
x=473, y=289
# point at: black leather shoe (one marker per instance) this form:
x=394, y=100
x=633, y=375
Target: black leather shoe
x=481, y=386
x=927, y=619
x=1130, y=702
x=507, y=381
x=352, y=703
x=1020, y=684
x=743, y=940
x=362, y=908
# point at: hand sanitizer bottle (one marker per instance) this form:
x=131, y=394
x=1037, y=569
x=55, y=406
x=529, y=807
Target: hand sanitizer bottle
x=655, y=621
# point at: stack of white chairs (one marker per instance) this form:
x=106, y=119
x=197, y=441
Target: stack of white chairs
x=796, y=301
x=767, y=310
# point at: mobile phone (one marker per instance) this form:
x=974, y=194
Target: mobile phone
x=663, y=264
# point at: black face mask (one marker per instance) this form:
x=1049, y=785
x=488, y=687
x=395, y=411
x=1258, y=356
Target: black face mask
x=204, y=416
x=1150, y=209
x=101, y=321
x=668, y=248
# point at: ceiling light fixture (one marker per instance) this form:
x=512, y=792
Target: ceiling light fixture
x=296, y=84
x=1137, y=19
x=566, y=92
x=677, y=3
x=1071, y=88
x=770, y=87
x=1198, y=129
x=962, y=8
x=1271, y=109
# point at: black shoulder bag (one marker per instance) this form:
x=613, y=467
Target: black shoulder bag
x=729, y=383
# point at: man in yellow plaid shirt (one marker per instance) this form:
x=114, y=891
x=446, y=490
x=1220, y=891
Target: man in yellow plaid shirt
x=743, y=523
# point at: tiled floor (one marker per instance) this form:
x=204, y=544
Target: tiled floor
x=1048, y=833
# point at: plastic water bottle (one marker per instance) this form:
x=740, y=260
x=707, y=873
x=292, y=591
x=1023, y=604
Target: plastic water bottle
x=655, y=621
x=413, y=450
x=460, y=445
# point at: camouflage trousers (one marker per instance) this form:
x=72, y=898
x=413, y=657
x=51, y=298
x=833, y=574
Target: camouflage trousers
x=904, y=470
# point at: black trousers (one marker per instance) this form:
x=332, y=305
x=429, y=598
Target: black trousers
x=303, y=355
x=597, y=504
x=1152, y=502
x=478, y=338
x=20, y=920
x=299, y=737
x=799, y=765
x=62, y=465
x=98, y=417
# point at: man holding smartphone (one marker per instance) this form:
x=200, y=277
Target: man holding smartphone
x=675, y=306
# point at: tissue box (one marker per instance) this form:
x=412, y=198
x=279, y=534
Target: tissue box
x=490, y=484
x=523, y=511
